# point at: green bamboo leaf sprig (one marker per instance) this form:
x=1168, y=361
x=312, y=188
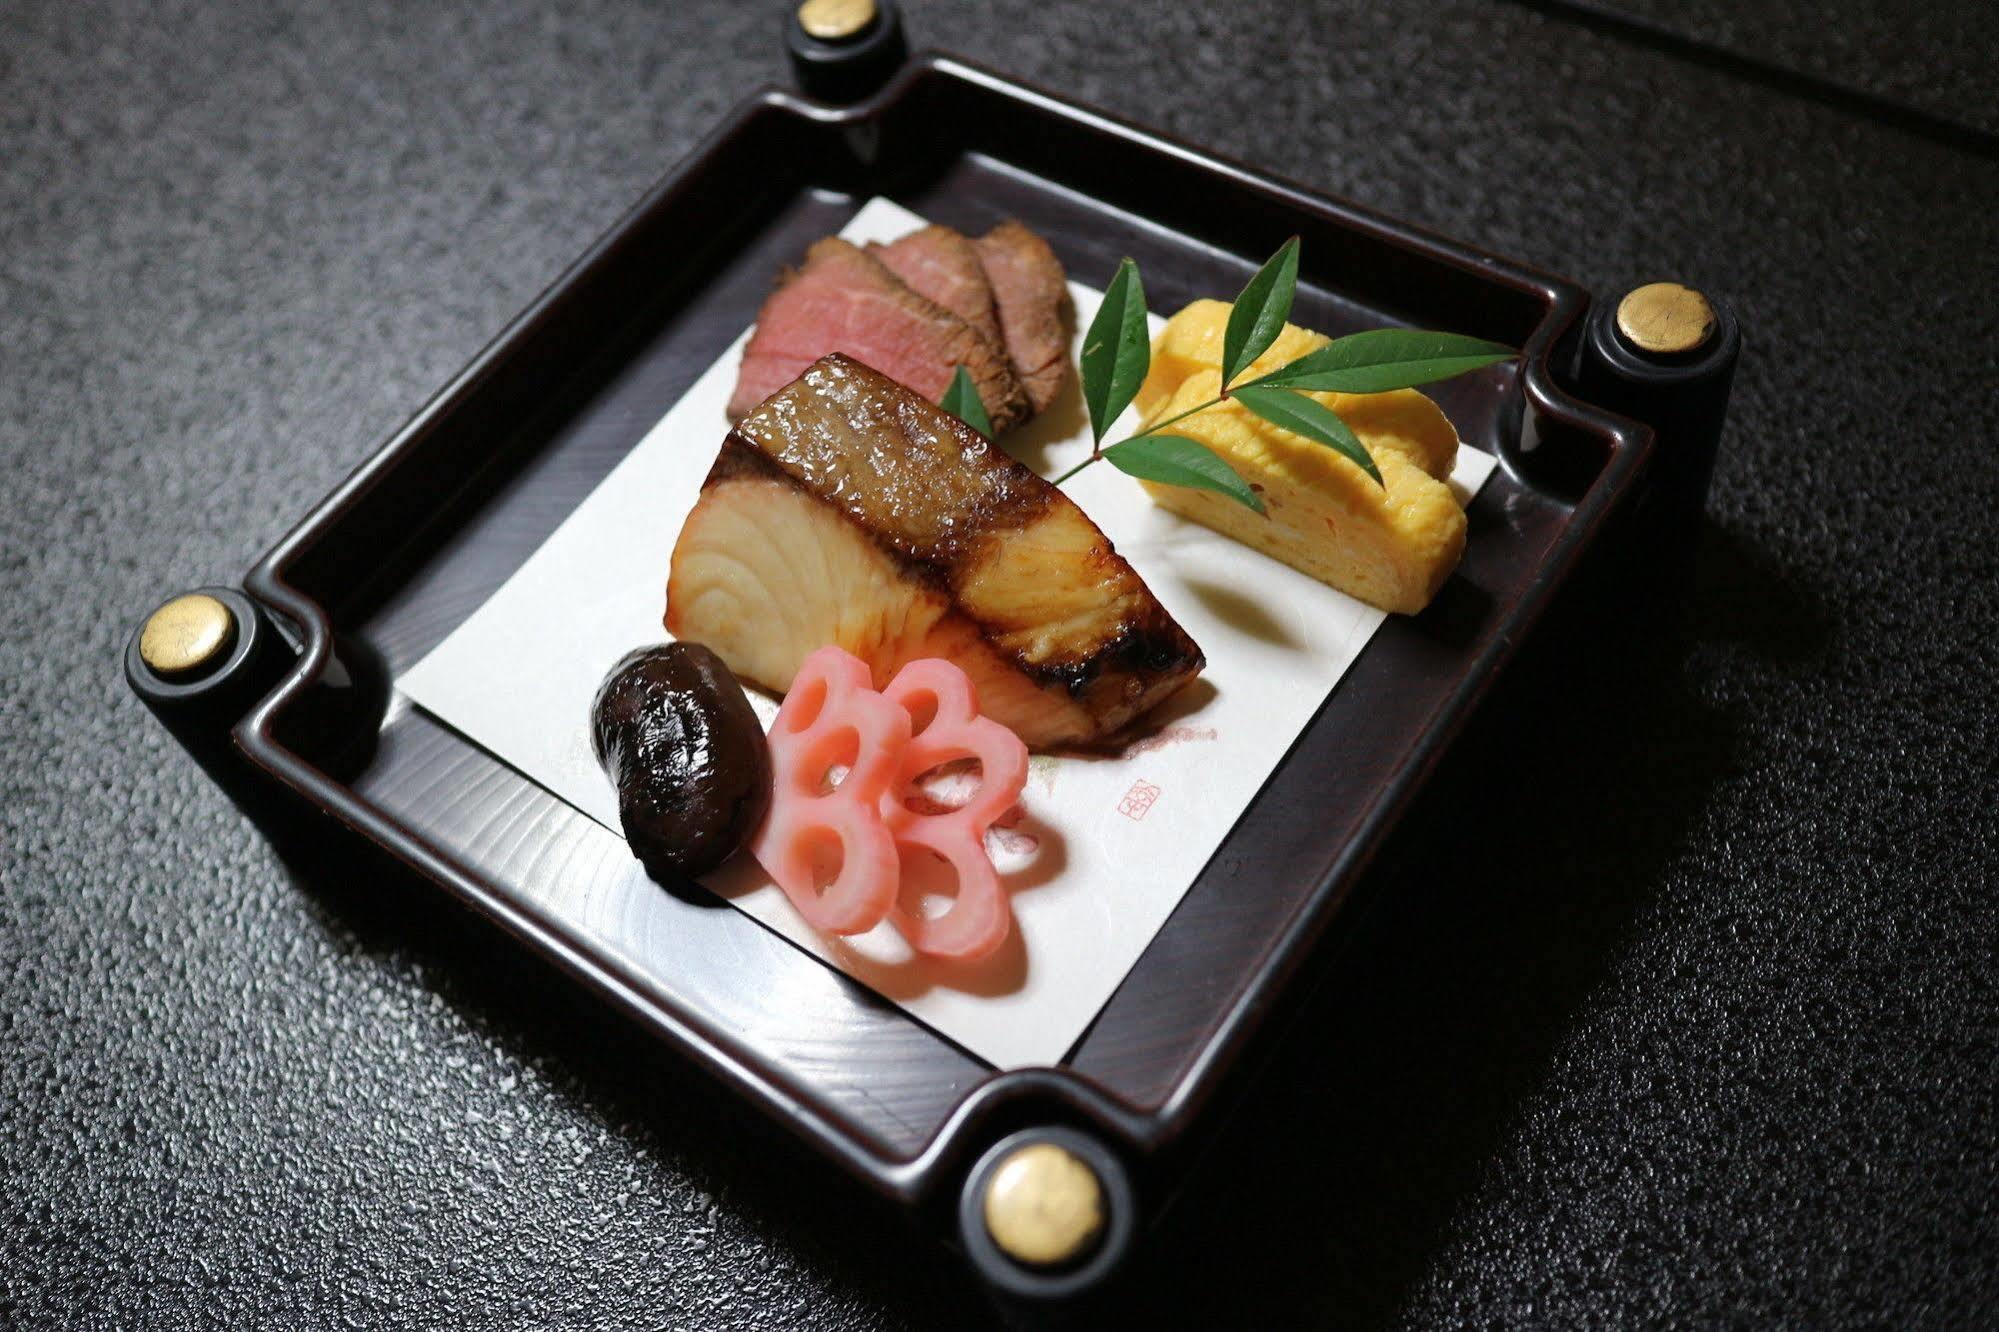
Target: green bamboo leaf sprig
x=962, y=400
x=1117, y=354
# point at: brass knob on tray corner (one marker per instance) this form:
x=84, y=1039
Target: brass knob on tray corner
x=188, y=635
x=1665, y=319
x=1044, y=1206
x=836, y=20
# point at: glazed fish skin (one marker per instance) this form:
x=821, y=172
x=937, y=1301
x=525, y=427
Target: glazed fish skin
x=845, y=300
x=1037, y=317
x=846, y=510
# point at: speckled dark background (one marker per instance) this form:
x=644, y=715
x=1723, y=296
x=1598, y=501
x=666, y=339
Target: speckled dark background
x=1934, y=56
x=1679, y=1005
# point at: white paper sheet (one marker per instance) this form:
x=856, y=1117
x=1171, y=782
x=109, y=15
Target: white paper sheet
x=1107, y=846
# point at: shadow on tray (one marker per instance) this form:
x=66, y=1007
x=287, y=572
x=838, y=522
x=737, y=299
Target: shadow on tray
x=1503, y=901
x=1499, y=907
x=785, y=1209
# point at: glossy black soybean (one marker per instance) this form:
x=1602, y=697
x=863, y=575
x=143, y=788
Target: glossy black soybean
x=684, y=748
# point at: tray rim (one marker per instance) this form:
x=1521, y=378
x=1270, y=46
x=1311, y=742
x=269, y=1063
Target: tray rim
x=911, y=1178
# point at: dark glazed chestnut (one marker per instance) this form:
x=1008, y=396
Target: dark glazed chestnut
x=684, y=748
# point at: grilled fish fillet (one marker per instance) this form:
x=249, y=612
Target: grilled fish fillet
x=847, y=510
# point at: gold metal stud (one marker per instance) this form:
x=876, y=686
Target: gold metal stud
x=835, y=20
x=1044, y=1206
x=188, y=634
x=1665, y=318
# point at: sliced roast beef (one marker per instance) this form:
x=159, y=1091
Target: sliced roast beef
x=944, y=265
x=846, y=300
x=1035, y=313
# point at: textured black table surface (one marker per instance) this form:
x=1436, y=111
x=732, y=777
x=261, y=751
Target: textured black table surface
x=1679, y=1002
x=1919, y=56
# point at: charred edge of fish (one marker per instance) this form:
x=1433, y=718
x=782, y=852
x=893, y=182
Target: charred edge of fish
x=1155, y=644
x=1158, y=646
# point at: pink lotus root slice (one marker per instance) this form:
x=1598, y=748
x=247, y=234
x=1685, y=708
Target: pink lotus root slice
x=979, y=918
x=832, y=717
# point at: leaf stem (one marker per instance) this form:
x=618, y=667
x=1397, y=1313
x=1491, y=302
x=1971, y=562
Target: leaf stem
x=1265, y=378
x=1095, y=456
x=1158, y=426
x=1097, y=449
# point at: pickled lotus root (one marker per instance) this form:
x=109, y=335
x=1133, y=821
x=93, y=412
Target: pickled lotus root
x=824, y=841
x=979, y=917
x=837, y=845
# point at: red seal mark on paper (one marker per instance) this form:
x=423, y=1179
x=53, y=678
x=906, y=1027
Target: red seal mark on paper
x=1138, y=800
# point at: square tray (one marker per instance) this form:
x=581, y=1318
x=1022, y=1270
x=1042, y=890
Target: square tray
x=420, y=535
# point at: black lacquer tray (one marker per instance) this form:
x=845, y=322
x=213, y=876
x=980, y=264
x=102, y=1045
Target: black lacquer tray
x=413, y=543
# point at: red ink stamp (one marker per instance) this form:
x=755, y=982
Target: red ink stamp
x=1138, y=800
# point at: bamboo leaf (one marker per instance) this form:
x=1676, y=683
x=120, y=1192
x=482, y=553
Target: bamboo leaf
x=1176, y=460
x=1258, y=315
x=1117, y=351
x=962, y=401
x=1386, y=358
x=1301, y=415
